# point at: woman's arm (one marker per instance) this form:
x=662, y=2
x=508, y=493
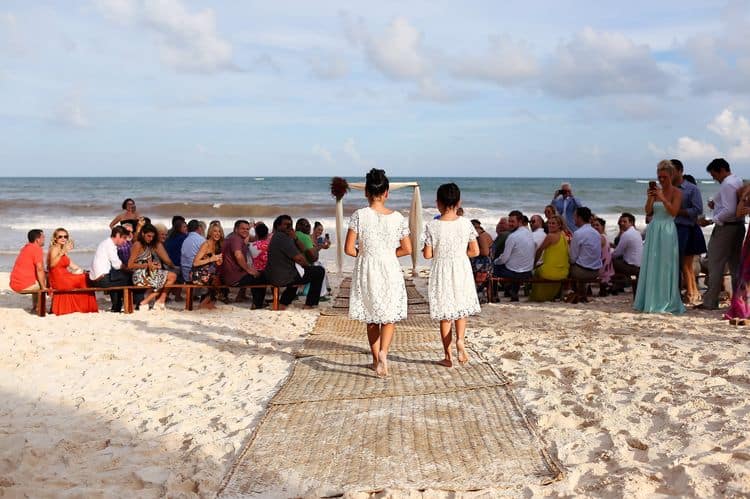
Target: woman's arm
x=201, y=257
x=163, y=255
x=427, y=251
x=54, y=255
x=405, y=247
x=473, y=249
x=649, y=208
x=116, y=220
x=743, y=202
x=672, y=205
x=485, y=243
x=350, y=245
x=135, y=251
x=548, y=241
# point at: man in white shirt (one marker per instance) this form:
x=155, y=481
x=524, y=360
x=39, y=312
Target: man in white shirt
x=106, y=268
x=537, y=230
x=626, y=258
x=517, y=258
x=725, y=245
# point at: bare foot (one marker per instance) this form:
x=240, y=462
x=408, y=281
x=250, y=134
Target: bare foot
x=208, y=305
x=445, y=363
x=463, y=358
x=382, y=367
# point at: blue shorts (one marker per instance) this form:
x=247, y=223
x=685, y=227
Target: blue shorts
x=690, y=240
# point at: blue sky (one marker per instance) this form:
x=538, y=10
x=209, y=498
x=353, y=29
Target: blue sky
x=420, y=88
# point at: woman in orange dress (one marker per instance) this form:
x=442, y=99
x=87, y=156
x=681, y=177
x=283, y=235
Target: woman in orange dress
x=65, y=275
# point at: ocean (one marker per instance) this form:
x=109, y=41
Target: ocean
x=85, y=206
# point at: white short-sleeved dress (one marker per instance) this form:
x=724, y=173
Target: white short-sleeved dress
x=451, y=289
x=378, y=294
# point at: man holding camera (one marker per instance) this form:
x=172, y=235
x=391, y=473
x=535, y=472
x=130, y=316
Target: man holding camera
x=566, y=204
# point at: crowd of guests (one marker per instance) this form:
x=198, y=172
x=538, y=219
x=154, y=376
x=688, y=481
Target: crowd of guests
x=153, y=257
x=571, y=242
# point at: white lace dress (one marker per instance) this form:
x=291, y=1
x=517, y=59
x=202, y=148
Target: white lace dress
x=452, y=292
x=378, y=294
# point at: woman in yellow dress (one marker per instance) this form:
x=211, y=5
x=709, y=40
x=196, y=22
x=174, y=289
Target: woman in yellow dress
x=555, y=264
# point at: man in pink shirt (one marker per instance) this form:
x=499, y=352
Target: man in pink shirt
x=28, y=271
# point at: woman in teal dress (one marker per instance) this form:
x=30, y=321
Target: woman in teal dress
x=659, y=279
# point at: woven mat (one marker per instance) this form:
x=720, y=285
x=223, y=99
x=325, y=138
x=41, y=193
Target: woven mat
x=416, y=303
x=458, y=441
x=342, y=325
x=403, y=341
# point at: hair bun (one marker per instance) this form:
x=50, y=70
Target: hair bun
x=376, y=182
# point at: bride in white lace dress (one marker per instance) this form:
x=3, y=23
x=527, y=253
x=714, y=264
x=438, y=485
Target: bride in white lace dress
x=377, y=236
x=450, y=241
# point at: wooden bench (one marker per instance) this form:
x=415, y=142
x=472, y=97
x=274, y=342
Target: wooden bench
x=128, y=291
x=564, y=283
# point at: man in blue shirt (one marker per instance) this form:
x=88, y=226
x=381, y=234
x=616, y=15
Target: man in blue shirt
x=190, y=247
x=566, y=204
x=689, y=234
x=585, y=254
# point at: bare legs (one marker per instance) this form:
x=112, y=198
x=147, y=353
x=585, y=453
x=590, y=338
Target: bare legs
x=446, y=337
x=688, y=277
x=160, y=295
x=380, y=336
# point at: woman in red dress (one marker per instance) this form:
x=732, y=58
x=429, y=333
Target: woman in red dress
x=62, y=278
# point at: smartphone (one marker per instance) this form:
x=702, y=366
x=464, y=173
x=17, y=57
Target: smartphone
x=328, y=237
x=652, y=184
x=321, y=240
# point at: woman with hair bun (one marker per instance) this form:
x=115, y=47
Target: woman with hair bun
x=377, y=237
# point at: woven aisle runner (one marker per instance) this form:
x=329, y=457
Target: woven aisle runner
x=334, y=427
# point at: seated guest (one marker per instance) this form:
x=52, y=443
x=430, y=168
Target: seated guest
x=178, y=221
x=65, y=275
x=626, y=258
x=259, y=247
x=284, y=252
x=207, y=262
x=147, y=260
x=607, y=270
x=123, y=249
x=585, y=254
x=190, y=246
x=555, y=264
x=481, y=265
x=501, y=234
x=537, y=230
x=234, y=270
x=106, y=268
x=28, y=270
x=303, y=229
x=322, y=243
x=517, y=259
x=129, y=214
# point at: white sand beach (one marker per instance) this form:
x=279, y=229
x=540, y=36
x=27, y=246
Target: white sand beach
x=159, y=404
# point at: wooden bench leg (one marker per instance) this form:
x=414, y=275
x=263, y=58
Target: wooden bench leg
x=127, y=298
x=275, y=298
x=41, y=304
x=188, y=299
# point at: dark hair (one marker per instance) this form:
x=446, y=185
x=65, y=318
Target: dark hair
x=376, y=183
x=193, y=225
x=317, y=224
x=517, y=214
x=690, y=179
x=474, y=221
x=177, y=225
x=601, y=221
x=177, y=218
x=34, y=234
x=629, y=216
x=718, y=164
x=584, y=214
x=449, y=195
x=240, y=222
x=524, y=220
x=125, y=203
x=280, y=219
x=261, y=230
x=118, y=230
x=677, y=165
x=147, y=229
x=301, y=224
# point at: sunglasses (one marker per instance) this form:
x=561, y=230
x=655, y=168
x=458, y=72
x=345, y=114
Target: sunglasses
x=62, y=237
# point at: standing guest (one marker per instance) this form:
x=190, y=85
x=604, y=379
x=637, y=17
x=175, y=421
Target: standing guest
x=235, y=270
x=207, y=262
x=607, y=270
x=739, y=308
x=555, y=265
x=28, y=270
x=145, y=261
x=537, y=230
x=259, y=247
x=451, y=240
x=502, y=231
x=66, y=275
x=689, y=234
x=190, y=246
x=377, y=236
x=725, y=244
x=585, y=254
x=626, y=258
x=106, y=268
x=129, y=214
x=284, y=255
x=566, y=204
x=659, y=279
x=517, y=259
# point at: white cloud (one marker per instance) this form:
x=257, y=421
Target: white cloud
x=600, y=63
x=188, y=41
x=688, y=148
x=398, y=53
x=322, y=153
x=431, y=90
x=71, y=113
x=506, y=63
x=730, y=127
x=350, y=149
